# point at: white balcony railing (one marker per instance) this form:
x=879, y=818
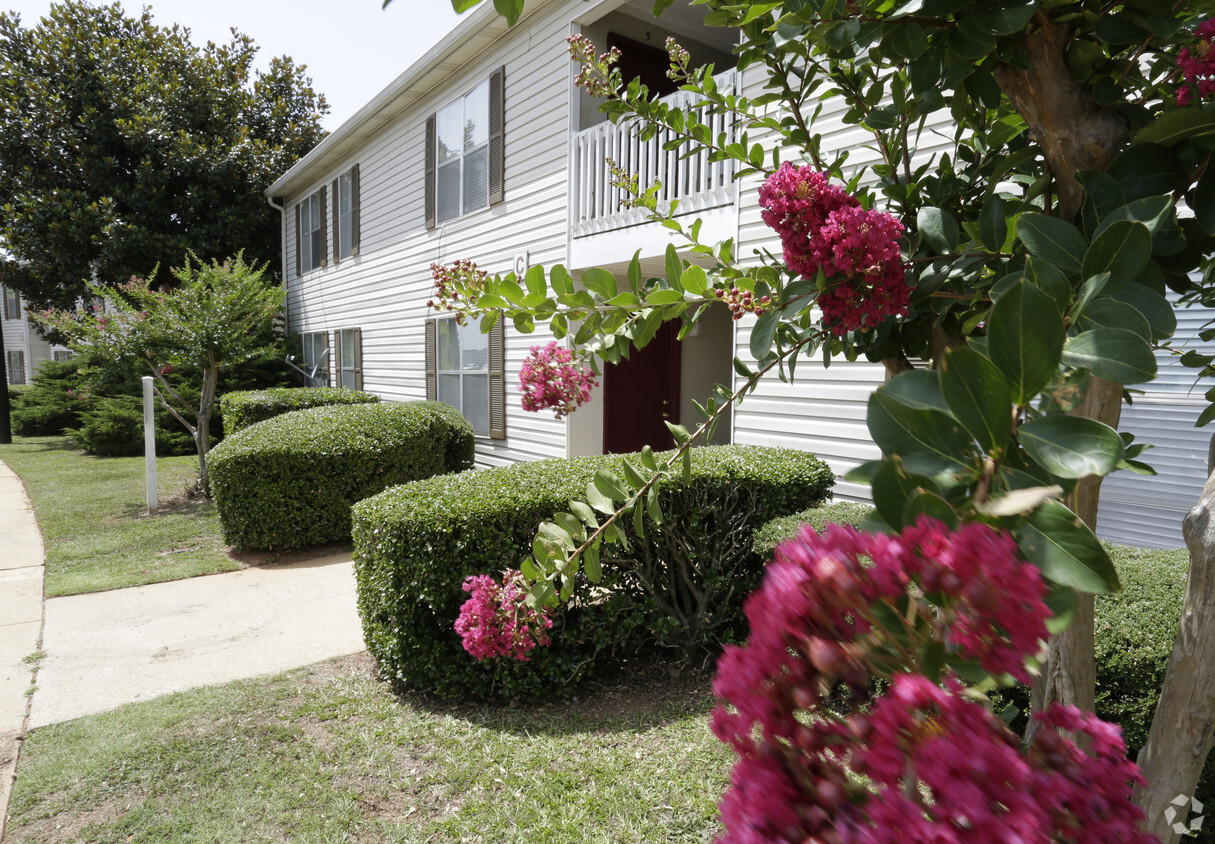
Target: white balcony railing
x=598, y=206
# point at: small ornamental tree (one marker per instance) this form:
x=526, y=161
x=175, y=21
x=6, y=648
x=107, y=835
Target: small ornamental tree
x=1028, y=261
x=212, y=316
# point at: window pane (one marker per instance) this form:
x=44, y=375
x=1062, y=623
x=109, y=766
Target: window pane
x=348, y=350
x=475, y=346
x=476, y=117
x=476, y=180
x=476, y=402
x=448, y=125
x=448, y=179
x=346, y=235
x=449, y=345
x=348, y=379
x=449, y=390
x=345, y=195
x=316, y=250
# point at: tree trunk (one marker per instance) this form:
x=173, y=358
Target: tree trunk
x=1183, y=727
x=1069, y=675
x=202, y=437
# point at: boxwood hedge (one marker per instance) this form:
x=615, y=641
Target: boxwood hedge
x=415, y=544
x=289, y=481
x=243, y=408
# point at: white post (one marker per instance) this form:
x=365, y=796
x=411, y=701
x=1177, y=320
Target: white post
x=149, y=442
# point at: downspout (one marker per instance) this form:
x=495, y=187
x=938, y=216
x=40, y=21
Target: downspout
x=282, y=214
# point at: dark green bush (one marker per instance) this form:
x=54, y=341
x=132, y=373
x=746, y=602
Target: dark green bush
x=289, y=482
x=49, y=405
x=778, y=530
x=113, y=427
x=242, y=409
x=415, y=545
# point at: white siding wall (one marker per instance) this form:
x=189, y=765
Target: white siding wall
x=384, y=290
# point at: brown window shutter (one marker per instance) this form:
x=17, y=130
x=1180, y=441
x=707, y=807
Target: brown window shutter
x=497, y=121
x=328, y=358
x=432, y=361
x=337, y=357
x=354, y=203
x=431, y=153
x=299, y=240
x=337, y=225
x=358, y=358
x=324, y=230
x=497, y=380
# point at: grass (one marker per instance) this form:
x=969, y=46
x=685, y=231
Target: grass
x=92, y=511
x=328, y=754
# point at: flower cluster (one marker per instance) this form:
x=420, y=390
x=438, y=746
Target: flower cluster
x=496, y=620
x=742, y=301
x=823, y=227
x=925, y=761
x=552, y=377
x=679, y=60
x=595, y=75
x=1197, y=65
x=460, y=280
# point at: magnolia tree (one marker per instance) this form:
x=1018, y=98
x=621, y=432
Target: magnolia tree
x=1028, y=262
x=211, y=317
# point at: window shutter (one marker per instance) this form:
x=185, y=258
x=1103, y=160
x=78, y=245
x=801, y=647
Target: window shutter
x=299, y=240
x=337, y=224
x=431, y=154
x=497, y=120
x=328, y=359
x=358, y=358
x=497, y=380
x=337, y=355
x=324, y=230
x=432, y=361
x=354, y=202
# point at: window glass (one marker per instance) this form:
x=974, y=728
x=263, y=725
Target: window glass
x=476, y=402
x=448, y=125
x=476, y=117
x=462, y=151
x=448, y=189
x=449, y=345
x=463, y=376
x=345, y=216
x=476, y=179
x=474, y=348
x=449, y=390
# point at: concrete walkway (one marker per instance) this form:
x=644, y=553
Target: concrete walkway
x=21, y=558
x=103, y=650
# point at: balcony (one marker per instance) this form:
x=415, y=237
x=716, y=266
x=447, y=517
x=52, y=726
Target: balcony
x=598, y=207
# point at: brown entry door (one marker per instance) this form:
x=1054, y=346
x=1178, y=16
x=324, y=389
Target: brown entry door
x=639, y=393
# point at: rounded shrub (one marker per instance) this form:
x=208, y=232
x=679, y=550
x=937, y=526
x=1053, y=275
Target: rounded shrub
x=415, y=545
x=289, y=482
x=248, y=407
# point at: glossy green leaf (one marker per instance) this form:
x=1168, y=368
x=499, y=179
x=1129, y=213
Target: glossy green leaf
x=599, y=501
x=663, y=297
x=1154, y=306
x=939, y=229
x=893, y=488
x=928, y=441
x=1066, y=551
x=1107, y=312
x=1006, y=18
x=1176, y=125
x=978, y=397
x=600, y=282
x=591, y=564
x=1121, y=250
x=1050, y=279
x=1062, y=603
x=933, y=506
x=763, y=334
x=993, y=228
x=694, y=280
x=919, y=389
x=674, y=265
x=1018, y=501
x=909, y=40
x=585, y=513
x=1116, y=354
x=1071, y=446
x=1053, y=240
x=1025, y=339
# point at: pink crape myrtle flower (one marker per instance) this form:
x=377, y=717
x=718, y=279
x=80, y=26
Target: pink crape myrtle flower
x=551, y=377
x=822, y=227
x=496, y=621
x=1197, y=65
x=924, y=762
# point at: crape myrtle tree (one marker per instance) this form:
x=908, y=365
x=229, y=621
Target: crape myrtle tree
x=1029, y=264
x=123, y=146
x=210, y=316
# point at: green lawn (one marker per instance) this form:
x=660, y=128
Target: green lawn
x=93, y=514
x=328, y=754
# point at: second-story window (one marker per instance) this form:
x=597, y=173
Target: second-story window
x=12, y=304
x=346, y=213
x=310, y=222
x=464, y=153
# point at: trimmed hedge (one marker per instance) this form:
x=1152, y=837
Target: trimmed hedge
x=289, y=481
x=244, y=408
x=415, y=544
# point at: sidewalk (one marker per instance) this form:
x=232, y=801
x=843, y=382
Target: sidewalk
x=21, y=570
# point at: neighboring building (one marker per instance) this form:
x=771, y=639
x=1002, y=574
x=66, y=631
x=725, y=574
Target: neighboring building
x=485, y=150
x=24, y=348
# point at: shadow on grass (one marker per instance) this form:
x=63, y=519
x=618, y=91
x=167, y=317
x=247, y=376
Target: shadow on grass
x=634, y=697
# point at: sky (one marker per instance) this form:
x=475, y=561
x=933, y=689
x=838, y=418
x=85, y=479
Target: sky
x=353, y=48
